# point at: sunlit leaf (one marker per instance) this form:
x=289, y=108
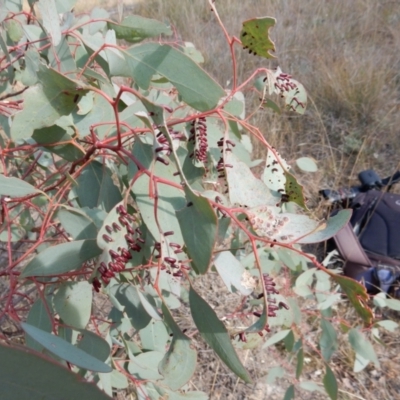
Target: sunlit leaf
x=51, y=21
x=233, y=273
x=73, y=302
x=307, y=164
x=362, y=346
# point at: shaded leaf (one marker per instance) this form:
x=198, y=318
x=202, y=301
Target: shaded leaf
x=198, y=223
x=255, y=36
x=294, y=190
x=300, y=362
x=330, y=384
x=277, y=337
x=96, y=187
x=215, y=334
x=289, y=394
x=56, y=140
x=328, y=341
x=94, y=345
x=128, y=296
x=65, y=350
x=26, y=376
x=39, y=317
x=179, y=364
x=78, y=224
x=64, y=257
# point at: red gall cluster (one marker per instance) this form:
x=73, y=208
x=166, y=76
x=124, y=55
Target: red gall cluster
x=133, y=238
x=174, y=266
x=284, y=83
x=164, y=147
x=199, y=136
x=272, y=306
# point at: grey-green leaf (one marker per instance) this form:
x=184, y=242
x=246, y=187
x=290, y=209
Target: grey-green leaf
x=78, y=224
x=196, y=88
x=362, y=346
x=198, y=224
x=44, y=103
x=51, y=20
x=330, y=384
x=73, y=302
x=61, y=258
x=179, y=364
x=65, y=350
x=96, y=187
x=128, y=296
x=135, y=28
x=328, y=341
x=26, y=376
x=56, y=140
x=15, y=187
x=215, y=334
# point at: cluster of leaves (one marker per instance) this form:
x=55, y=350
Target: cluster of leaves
x=126, y=172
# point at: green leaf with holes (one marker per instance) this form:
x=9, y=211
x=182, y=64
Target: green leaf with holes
x=255, y=36
x=357, y=296
x=294, y=190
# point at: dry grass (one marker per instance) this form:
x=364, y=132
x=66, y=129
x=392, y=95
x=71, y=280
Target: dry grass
x=345, y=55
